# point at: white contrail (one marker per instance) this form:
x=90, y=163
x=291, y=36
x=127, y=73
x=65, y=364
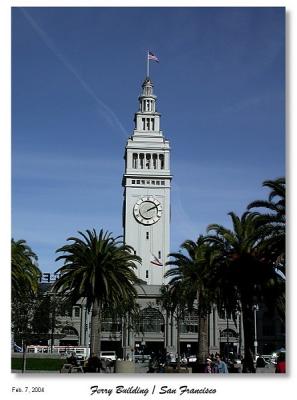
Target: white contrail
x=107, y=112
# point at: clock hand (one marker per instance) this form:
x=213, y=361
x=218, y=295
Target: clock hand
x=152, y=208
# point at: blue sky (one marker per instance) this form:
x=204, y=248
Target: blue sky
x=76, y=76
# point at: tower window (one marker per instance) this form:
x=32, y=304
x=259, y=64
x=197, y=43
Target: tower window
x=141, y=159
x=155, y=161
x=143, y=124
x=146, y=273
x=162, y=182
x=138, y=181
x=133, y=181
x=153, y=182
x=143, y=182
x=161, y=157
x=153, y=124
x=147, y=235
x=148, y=124
x=158, y=182
x=159, y=254
x=148, y=161
x=134, y=160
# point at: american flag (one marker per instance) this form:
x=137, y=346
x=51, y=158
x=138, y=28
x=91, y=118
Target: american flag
x=152, y=56
x=156, y=261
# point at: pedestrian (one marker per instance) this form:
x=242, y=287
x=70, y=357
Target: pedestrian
x=220, y=366
x=73, y=360
x=281, y=364
x=208, y=366
x=248, y=363
x=93, y=364
x=260, y=363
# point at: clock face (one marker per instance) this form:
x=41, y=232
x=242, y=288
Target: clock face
x=147, y=210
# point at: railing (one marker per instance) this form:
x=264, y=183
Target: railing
x=61, y=350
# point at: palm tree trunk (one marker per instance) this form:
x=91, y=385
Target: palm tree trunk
x=247, y=319
x=202, y=339
x=202, y=351
x=178, y=339
x=95, y=344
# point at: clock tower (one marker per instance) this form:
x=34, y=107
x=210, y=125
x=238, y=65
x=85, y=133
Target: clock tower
x=146, y=182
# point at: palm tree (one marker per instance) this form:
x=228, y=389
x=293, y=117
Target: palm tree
x=24, y=270
x=194, y=272
x=99, y=269
x=245, y=268
x=273, y=220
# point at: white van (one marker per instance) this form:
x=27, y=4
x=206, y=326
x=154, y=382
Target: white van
x=108, y=355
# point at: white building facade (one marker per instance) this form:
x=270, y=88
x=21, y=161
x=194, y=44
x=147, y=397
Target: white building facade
x=146, y=183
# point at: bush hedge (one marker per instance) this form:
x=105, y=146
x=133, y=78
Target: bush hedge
x=38, y=364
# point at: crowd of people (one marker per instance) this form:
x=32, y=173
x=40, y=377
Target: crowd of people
x=92, y=364
x=214, y=364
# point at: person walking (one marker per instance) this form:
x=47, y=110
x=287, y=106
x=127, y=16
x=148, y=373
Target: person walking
x=208, y=366
x=281, y=364
x=220, y=366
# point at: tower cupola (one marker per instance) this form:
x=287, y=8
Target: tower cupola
x=147, y=99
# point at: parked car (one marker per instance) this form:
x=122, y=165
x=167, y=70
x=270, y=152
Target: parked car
x=108, y=355
x=192, y=359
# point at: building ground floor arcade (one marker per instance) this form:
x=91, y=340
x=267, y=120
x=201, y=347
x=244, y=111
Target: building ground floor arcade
x=154, y=331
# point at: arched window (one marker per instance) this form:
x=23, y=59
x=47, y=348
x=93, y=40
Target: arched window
x=155, y=161
x=228, y=335
x=148, y=161
x=150, y=320
x=161, y=158
x=134, y=160
x=69, y=331
x=153, y=124
x=141, y=158
x=189, y=322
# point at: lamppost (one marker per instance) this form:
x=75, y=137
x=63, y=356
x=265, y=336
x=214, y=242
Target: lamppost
x=255, y=308
x=52, y=319
x=239, y=331
x=220, y=332
x=227, y=337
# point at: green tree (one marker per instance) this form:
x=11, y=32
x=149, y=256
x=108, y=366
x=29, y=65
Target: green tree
x=273, y=225
x=245, y=268
x=25, y=276
x=273, y=220
x=99, y=269
x=194, y=269
x=24, y=270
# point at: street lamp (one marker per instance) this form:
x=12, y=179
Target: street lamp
x=255, y=308
x=238, y=313
x=227, y=336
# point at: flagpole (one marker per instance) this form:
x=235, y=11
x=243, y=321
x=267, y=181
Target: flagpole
x=147, y=65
